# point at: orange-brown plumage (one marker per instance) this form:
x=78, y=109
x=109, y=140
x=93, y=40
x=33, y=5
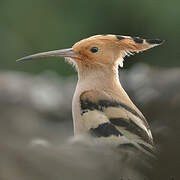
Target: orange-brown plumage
x=110, y=49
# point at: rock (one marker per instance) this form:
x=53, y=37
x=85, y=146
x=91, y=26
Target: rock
x=36, y=123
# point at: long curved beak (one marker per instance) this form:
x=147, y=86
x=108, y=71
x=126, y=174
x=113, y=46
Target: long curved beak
x=57, y=53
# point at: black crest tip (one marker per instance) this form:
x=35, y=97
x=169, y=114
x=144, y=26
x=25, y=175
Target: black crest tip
x=119, y=37
x=155, y=41
x=137, y=40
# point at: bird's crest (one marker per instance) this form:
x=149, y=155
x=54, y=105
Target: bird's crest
x=131, y=45
x=112, y=46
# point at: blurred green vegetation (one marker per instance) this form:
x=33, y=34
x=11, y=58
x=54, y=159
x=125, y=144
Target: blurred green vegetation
x=33, y=26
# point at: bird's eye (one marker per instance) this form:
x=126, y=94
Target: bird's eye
x=94, y=49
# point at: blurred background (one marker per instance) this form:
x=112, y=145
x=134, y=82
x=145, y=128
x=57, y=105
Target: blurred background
x=35, y=97
x=33, y=26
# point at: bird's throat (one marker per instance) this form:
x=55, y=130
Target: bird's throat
x=99, y=78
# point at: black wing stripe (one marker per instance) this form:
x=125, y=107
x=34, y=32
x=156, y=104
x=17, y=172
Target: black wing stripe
x=105, y=130
x=119, y=104
x=147, y=149
x=86, y=104
x=132, y=127
x=119, y=122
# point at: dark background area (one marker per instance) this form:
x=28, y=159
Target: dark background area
x=29, y=27
x=35, y=97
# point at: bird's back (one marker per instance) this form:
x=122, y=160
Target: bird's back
x=111, y=117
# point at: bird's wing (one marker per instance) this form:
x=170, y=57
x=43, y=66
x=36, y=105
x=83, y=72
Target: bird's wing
x=114, y=121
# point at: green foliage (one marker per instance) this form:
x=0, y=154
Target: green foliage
x=33, y=26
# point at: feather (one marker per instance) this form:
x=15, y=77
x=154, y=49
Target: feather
x=106, y=118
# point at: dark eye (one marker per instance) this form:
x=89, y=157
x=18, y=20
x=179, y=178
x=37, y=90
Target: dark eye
x=94, y=49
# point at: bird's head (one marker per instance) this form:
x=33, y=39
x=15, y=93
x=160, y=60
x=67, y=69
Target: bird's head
x=100, y=50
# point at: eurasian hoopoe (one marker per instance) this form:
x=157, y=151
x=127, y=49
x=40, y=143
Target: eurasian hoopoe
x=100, y=106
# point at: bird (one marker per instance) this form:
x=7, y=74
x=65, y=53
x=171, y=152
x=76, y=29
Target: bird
x=100, y=107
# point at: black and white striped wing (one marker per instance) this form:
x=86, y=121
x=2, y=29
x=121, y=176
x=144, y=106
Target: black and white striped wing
x=114, y=121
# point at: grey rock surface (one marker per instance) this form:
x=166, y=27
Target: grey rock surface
x=36, y=124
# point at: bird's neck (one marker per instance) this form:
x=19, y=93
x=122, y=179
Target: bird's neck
x=98, y=77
